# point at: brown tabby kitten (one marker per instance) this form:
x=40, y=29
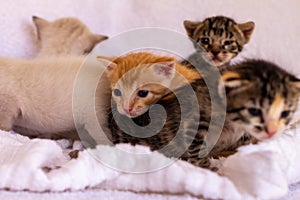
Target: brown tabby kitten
x=261, y=99
x=221, y=38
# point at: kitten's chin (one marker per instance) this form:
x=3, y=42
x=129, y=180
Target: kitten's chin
x=132, y=114
x=221, y=60
x=262, y=136
x=215, y=60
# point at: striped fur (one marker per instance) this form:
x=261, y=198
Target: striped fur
x=261, y=97
x=249, y=83
x=221, y=37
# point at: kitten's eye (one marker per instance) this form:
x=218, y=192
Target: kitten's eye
x=143, y=93
x=228, y=42
x=205, y=40
x=285, y=114
x=117, y=92
x=254, y=111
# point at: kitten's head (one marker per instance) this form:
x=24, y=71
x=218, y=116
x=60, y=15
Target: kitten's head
x=221, y=37
x=65, y=36
x=139, y=80
x=261, y=97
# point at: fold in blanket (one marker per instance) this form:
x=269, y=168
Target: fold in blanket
x=264, y=170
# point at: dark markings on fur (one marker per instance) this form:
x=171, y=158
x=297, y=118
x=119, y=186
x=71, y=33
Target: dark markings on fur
x=219, y=29
x=267, y=81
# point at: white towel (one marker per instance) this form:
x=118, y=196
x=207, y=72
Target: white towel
x=264, y=170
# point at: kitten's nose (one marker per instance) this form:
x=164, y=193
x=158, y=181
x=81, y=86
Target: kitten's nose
x=128, y=110
x=215, y=49
x=271, y=133
x=215, y=52
x=271, y=127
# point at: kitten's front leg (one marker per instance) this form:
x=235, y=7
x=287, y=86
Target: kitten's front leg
x=200, y=162
x=9, y=111
x=197, y=153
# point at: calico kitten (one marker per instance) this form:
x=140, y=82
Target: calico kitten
x=261, y=99
x=221, y=38
x=37, y=95
x=65, y=36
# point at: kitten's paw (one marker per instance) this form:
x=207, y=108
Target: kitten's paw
x=200, y=162
x=74, y=154
x=6, y=125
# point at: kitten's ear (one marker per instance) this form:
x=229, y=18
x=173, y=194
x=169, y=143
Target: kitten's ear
x=97, y=38
x=190, y=27
x=247, y=29
x=295, y=83
x=165, y=69
x=112, y=59
x=107, y=62
x=233, y=83
x=39, y=24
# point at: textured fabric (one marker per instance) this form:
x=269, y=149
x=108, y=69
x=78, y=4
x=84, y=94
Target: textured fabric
x=264, y=170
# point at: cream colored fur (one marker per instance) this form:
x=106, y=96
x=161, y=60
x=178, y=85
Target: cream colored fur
x=37, y=94
x=65, y=36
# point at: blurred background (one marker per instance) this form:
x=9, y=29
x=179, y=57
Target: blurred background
x=276, y=35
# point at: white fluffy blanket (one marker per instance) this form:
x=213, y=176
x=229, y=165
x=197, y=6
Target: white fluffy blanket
x=264, y=170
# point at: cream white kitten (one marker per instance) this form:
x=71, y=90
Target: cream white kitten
x=37, y=95
x=65, y=36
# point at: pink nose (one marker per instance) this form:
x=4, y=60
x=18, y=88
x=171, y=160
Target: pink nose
x=271, y=133
x=128, y=110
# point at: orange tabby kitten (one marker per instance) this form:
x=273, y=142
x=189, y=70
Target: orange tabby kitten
x=138, y=80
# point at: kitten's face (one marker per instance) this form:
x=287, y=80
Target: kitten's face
x=66, y=36
x=135, y=90
x=261, y=98
x=221, y=38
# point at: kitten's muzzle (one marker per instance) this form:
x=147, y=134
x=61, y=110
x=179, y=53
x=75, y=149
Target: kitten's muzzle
x=215, y=53
x=271, y=127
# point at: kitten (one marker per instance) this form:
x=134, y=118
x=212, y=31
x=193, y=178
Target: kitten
x=261, y=99
x=141, y=72
x=37, y=94
x=65, y=36
x=221, y=38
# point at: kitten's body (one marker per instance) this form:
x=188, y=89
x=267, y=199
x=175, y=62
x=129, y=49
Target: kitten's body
x=69, y=39
x=251, y=84
x=36, y=95
x=221, y=38
x=65, y=36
